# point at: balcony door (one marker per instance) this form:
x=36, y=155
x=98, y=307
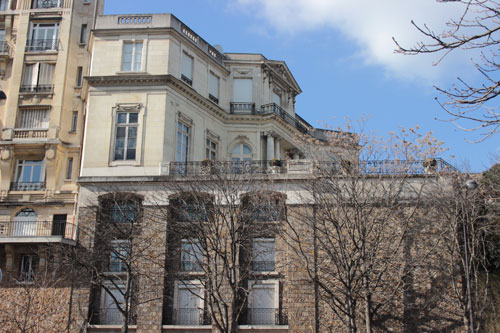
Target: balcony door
x=110, y=313
x=263, y=302
x=25, y=223
x=44, y=36
x=189, y=304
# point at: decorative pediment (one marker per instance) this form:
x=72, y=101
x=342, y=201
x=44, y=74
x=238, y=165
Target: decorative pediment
x=278, y=70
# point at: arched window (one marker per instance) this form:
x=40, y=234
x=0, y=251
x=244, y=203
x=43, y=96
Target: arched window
x=25, y=223
x=241, y=152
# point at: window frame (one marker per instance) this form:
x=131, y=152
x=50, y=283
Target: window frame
x=263, y=252
x=127, y=125
x=79, y=76
x=214, y=96
x=188, y=79
x=126, y=107
x=34, y=31
x=181, y=284
x=117, y=258
x=211, y=149
x=74, y=122
x=28, y=276
x=195, y=254
x=83, y=34
x=20, y=171
x=43, y=120
x=37, y=84
x=133, y=56
x=182, y=153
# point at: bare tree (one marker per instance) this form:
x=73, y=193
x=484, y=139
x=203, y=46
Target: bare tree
x=36, y=299
x=472, y=107
x=215, y=214
x=115, y=248
x=361, y=230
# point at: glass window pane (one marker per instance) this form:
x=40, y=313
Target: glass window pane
x=236, y=150
x=37, y=173
x=133, y=118
x=130, y=154
x=122, y=118
x=246, y=150
x=26, y=173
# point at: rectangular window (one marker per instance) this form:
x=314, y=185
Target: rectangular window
x=126, y=136
x=263, y=303
x=83, y=34
x=33, y=119
x=43, y=37
x=124, y=212
x=4, y=47
x=243, y=90
x=38, y=77
x=30, y=172
x=46, y=4
x=213, y=93
x=276, y=99
x=28, y=268
x=112, y=299
x=132, y=57
x=69, y=170
x=74, y=121
x=119, y=255
x=3, y=4
x=79, y=76
x=182, y=142
x=59, y=225
x=211, y=150
x=191, y=255
x=188, y=308
x=263, y=255
x=187, y=69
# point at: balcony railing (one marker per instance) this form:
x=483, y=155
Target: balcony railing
x=46, y=4
x=21, y=229
x=213, y=98
x=30, y=134
x=39, y=45
x=242, y=108
x=263, y=266
x=30, y=186
x=264, y=316
x=276, y=109
x=189, y=316
x=112, y=316
x=41, y=88
x=4, y=47
x=224, y=167
x=186, y=79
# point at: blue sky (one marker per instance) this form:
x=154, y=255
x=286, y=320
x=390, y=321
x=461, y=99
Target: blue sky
x=341, y=54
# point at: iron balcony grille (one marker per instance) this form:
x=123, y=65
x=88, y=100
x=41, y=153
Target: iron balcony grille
x=30, y=186
x=264, y=316
x=41, y=88
x=46, y=4
x=189, y=316
x=213, y=98
x=273, y=108
x=242, y=108
x=39, y=45
x=224, y=167
x=38, y=229
x=186, y=79
x=111, y=316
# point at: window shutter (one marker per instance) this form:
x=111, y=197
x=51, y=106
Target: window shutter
x=214, y=86
x=242, y=91
x=187, y=66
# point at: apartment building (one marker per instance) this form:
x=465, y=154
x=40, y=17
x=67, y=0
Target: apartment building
x=43, y=58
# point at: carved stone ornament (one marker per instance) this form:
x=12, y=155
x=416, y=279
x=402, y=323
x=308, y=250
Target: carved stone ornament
x=129, y=107
x=6, y=154
x=50, y=154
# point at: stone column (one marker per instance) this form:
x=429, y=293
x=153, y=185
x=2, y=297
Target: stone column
x=270, y=147
x=277, y=148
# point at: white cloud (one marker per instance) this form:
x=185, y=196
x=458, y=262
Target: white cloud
x=371, y=25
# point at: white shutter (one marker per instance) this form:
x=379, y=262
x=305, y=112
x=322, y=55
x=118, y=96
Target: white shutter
x=30, y=75
x=34, y=118
x=214, y=85
x=46, y=74
x=242, y=91
x=187, y=66
x=137, y=57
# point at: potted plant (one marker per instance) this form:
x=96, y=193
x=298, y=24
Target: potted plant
x=275, y=162
x=206, y=165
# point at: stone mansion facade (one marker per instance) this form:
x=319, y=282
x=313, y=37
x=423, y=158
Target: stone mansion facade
x=117, y=133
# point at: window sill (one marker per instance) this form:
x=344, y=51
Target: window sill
x=132, y=163
x=72, y=132
x=131, y=73
x=82, y=44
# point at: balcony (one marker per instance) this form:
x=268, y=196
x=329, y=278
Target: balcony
x=186, y=79
x=44, y=4
x=189, y=316
x=213, y=98
x=264, y=316
x=42, y=45
x=31, y=186
x=297, y=122
x=223, y=167
x=29, y=134
x=309, y=167
x=36, y=231
x=242, y=108
x=37, y=89
x=111, y=316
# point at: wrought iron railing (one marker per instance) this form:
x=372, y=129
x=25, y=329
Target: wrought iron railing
x=38, y=228
x=189, y=316
x=264, y=316
x=112, y=316
x=242, y=108
x=263, y=266
x=224, y=167
x=186, y=79
x=213, y=98
x=46, y=4
x=276, y=109
x=27, y=186
x=41, y=88
x=37, y=45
